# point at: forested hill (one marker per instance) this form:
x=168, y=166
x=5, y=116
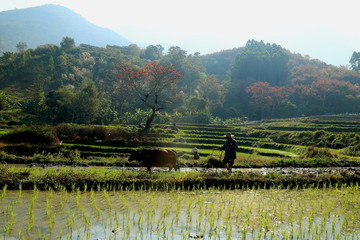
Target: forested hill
x=219, y=63
x=270, y=81
x=48, y=24
x=264, y=58
x=88, y=84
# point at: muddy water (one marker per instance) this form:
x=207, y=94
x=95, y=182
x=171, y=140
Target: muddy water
x=264, y=171
x=260, y=214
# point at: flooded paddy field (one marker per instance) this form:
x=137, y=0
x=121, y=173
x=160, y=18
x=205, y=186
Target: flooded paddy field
x=262, y=170
x=265, y=170
x=317, y=213
x=264, y=203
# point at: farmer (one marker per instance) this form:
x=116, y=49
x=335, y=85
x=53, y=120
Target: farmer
x=195, y=151
x=230, y=146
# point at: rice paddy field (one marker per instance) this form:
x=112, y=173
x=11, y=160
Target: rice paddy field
x=88, y=190
x=312, y=213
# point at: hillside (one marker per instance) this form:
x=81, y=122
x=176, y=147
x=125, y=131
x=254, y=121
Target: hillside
x=299, y=67
x=219, y=63
x=48, y=24
x=80, y=84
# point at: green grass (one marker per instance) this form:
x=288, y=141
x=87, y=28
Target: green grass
x=93, y=178
x=95, y=147
x=266, y=150
x=4, y=131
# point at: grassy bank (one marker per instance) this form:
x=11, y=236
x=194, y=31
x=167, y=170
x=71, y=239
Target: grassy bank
x=109, y=157
x=58, y=178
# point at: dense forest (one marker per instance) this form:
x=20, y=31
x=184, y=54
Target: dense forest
x=127, y=84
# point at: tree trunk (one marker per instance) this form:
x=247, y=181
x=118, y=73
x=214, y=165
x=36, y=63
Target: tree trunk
x=150, y=120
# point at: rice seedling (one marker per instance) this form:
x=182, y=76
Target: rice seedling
x=3, y=192
x=216, y=214
x=31, y=214
x=10, y=215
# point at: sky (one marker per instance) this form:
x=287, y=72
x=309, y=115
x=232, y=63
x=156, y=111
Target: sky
x=323, y=29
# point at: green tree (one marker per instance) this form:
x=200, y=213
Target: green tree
x=1, y=46
x=219, y=63
x=87, y=103
x=36, y=105
x=131, y=50
x=152, y=52
x=21, y=46
x=211, y=89
x=60, y=104
x=189, y=66
x=260, y=62
x=67, y=104
x=4, y=101
x=67, y=43
x=355, y=61
x=197, y=104
x=331, y=93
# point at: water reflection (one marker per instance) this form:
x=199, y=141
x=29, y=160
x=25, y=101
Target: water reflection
x=253, y=214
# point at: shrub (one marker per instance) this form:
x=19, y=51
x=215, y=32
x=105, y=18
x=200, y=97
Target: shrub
x=42, y=135
x=139, y=116
x=8, y=102
x=353, y=150
x=72, y=132
x=83, y=133
x=313, y=152
x=339, y=141
x=319, y=134
x=93, y=132
x=120, y=133
x=203, y=117
x=14, y=176
x=66, y=131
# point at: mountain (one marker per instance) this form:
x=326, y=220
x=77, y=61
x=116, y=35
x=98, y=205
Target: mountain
x=48, y=24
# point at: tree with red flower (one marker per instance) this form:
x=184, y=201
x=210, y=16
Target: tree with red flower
x=267, y=98
x=154, y=84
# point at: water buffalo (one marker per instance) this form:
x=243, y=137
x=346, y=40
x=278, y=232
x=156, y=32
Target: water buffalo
x=155, y=158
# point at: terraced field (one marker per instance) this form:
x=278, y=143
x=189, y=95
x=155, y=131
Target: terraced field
x=254, y=138
x=203, y=137
x=259, y=142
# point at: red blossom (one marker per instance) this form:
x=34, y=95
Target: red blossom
x=266, y=96
x=150, y=82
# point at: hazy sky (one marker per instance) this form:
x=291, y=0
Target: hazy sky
x=324, y=29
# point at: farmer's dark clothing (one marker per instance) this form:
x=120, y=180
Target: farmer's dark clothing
x=196, y=156
x=230, y=147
